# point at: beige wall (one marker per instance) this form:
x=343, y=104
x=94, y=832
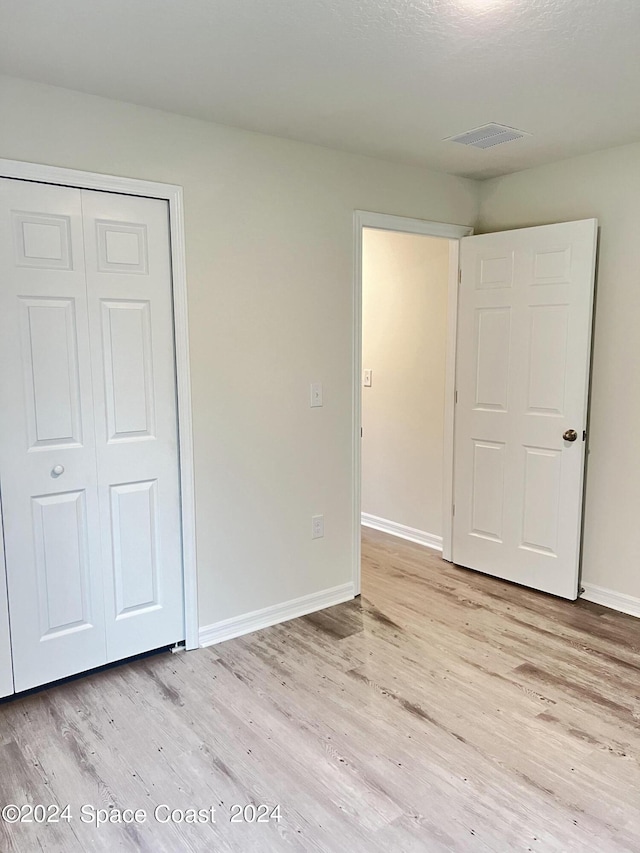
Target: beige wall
x=605, y=185
x=269, y=233
x=404, y=331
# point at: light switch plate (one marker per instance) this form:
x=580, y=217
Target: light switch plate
x=316, y=394
x=367, y=378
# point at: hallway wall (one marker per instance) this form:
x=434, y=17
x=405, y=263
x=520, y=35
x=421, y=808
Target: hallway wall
x=405, y=284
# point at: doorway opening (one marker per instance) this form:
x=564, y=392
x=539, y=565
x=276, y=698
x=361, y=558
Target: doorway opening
x=518, y=342
x=405, y=281
x=406, y=286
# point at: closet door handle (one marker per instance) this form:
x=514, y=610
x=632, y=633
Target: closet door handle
x=57, y=470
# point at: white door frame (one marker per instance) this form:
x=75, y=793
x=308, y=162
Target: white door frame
x=172, y=194
x=386, y=222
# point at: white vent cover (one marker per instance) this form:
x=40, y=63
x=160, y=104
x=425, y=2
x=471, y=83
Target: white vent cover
x=487, y=136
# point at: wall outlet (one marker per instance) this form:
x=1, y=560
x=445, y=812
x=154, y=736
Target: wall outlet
x=367, y=378
x=316, y=394
x=317, y=526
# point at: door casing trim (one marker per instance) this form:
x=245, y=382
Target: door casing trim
x=387, y=222
x=173, y=194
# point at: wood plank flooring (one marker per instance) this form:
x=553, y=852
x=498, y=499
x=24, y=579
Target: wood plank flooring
x=443, y=710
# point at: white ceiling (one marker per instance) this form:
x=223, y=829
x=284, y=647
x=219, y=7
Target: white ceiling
x=390, y=78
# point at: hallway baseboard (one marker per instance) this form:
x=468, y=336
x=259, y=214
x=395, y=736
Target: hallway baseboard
x=412, y=534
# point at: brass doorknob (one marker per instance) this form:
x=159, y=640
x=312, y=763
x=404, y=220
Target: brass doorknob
x=570, y=435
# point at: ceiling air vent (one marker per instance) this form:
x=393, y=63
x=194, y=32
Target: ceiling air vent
x=487, y=136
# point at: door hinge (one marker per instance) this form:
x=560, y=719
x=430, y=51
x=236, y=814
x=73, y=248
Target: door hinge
x=460, y=276
x=453, y=508
x=584, y=435
x=360, y=432
x=456, y=396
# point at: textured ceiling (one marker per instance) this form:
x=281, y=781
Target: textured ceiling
x=389, y=78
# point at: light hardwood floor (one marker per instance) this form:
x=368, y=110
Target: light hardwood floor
x=443, y=710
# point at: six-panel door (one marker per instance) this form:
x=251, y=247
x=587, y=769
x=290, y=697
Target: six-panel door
x=134, y=390
x=522, y=373
x=92, y=539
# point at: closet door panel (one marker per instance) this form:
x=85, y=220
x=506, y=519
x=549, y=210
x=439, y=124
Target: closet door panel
x=131, y=321
x=47, y=445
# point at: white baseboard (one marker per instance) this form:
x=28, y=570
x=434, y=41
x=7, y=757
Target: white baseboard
x=227, y=629
x=610, y=598
x=402, y=530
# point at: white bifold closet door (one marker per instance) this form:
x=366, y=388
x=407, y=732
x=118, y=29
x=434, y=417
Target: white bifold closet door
x=88, y=435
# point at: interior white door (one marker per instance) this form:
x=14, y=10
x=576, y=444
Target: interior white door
x=132, y=347
x=522, y=376
x=6, y=665
x=47, y=448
